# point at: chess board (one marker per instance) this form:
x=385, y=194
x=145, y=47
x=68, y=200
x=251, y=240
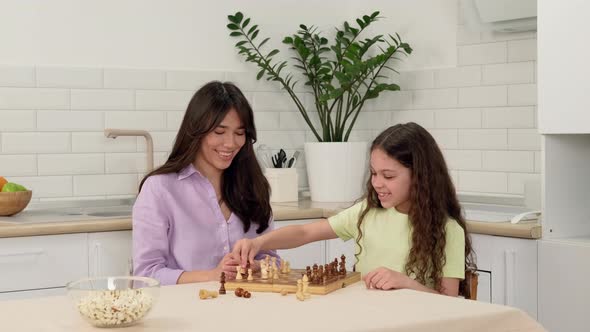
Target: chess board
x=288, y=282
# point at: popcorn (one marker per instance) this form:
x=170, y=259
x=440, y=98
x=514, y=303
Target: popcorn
x=110, y=308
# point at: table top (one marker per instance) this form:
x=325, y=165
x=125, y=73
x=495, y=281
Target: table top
x=354, y=308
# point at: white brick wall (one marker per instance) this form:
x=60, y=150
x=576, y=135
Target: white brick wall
x=482, y=113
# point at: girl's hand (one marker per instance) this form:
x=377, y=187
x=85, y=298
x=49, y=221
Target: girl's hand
x=228, y=265
x=384, y=278
x=245, y=250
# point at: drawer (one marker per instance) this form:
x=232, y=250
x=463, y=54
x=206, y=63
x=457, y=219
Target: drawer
x=42, y=261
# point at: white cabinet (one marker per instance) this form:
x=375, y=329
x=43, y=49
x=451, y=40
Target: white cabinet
x=512, y=267
x=484, y=286
x=306, y=255
x=564, y=291
x=37, y=262
x=109, y=254
x=562, y=73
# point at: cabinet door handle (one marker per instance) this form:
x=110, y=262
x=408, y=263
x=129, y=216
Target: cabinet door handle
x=510, y=274
x=97, y=263
x=34, y=252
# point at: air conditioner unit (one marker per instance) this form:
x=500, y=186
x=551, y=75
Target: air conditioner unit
x=506, y=15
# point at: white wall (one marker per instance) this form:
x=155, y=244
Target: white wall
x=481, y=109
x=192, y=34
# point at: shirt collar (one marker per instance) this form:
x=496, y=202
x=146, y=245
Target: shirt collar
x=187, y=171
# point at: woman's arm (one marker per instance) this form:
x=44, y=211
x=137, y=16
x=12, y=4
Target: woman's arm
x=284, y=238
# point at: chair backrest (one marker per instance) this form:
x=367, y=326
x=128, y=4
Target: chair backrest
x=471, y=285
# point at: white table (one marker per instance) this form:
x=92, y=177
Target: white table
x=350, y=309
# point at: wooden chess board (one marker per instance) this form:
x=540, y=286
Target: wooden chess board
x=288, y=283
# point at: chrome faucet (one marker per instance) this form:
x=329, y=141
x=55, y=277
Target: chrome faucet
x=114, y=133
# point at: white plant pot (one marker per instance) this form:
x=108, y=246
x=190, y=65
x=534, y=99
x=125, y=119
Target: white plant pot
x=336, y=170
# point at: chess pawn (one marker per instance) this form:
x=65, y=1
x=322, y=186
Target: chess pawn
x=275, y=272
x=238, y=273
x=263, y=270
x=299, y=294
x=222, y=282
x=288, y=264
x=305, y=287
x=250, y=277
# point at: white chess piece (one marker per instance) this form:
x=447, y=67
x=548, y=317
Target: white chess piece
x=263, y=269
x=250, y=277
x=305, y=290
x=239, y=273
x=288, y=264
x=299, y=294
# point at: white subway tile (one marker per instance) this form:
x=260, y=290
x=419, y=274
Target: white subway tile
x=33, y=98
x=458, y=118
x=191, y=80
x=412, y=80
x=271, y=120
x=522, y=94
x=391, y=100
x=246, y=81
x=20, y=120
x=163, y=141
x=18, y=165
x=467, y=35
x=445, y=138
x=68, y=164
x=70, y=121
x=275, y=102
x=508, y=73
x=454, y=177
x=522, y=50
x=483, y=139
x=162, y=100
x=463, y=159
x=17, y=76
x=362, y=135
x=126, y=163
x=174, y=119
x=108, y=184
x=425, y=118
x=97, y=142
x=524, y=139
x=142, y=120
x=483, y=182
x=457, y=77
x=482, y=96
x=134, y=79
x=103, y=99
x=509, y=161
x=69, y=77
x=509, y=117
x=482, y=54
x=35, y=142
x=516, y=181
x=282, y=139
x=538, y=162
x=495, y=36
x=370, y=121
x=46, y=186
x=159, y=159
x=435, y=98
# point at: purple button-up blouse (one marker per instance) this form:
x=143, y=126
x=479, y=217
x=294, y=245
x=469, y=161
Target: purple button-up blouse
x=178, y=226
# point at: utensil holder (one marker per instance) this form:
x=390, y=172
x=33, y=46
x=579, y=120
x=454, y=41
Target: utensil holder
x=283, y=184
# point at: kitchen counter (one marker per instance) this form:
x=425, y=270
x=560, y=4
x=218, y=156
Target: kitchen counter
x=353, y=308
x=32, y=223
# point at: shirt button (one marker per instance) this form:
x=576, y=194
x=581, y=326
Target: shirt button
x=225, y=248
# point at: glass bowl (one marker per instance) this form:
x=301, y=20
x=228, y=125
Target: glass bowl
x=113, y=301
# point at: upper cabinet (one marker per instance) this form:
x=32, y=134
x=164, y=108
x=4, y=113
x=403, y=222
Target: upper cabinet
x=563, y=67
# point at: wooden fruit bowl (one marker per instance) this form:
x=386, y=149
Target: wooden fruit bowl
x=14, y=202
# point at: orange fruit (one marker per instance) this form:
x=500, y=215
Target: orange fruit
x=3, y=181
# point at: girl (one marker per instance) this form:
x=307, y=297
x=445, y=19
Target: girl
x=191, y=210
x=409, y=230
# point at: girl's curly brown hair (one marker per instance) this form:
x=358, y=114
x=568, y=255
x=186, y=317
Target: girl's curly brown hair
x=433, y=200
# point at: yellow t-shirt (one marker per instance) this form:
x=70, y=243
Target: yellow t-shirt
x=387, y=239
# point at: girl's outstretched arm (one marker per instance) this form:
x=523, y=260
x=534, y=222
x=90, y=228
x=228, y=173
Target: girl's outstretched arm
x=284, y=238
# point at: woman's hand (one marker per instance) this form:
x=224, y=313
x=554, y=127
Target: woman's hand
x=245, y=250
x=384, y=278
x=228, y=265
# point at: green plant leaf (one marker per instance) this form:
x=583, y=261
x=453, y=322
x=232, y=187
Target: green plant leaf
x=240, y=43
x=260, y=73
x=236, y=33
x=288, y=40
x=263, y=42
x=233, y=26
x=360, y=23
x=375, y=14
x=245, y=24
x=252, y=28
x=254, y=34
x=239, y=16
x=273, y=52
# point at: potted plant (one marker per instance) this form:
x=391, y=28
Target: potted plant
x=342, y=76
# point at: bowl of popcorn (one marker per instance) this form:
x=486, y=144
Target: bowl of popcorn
x=113, y=301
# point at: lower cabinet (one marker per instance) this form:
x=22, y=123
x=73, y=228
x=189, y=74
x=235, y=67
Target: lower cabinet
x=306, y=255
x=109, y=254
x=507, y=271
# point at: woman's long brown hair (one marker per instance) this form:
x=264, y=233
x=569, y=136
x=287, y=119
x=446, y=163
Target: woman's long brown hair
x=244, y=187
x=433, y=200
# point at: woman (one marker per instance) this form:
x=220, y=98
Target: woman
x=209, y=194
